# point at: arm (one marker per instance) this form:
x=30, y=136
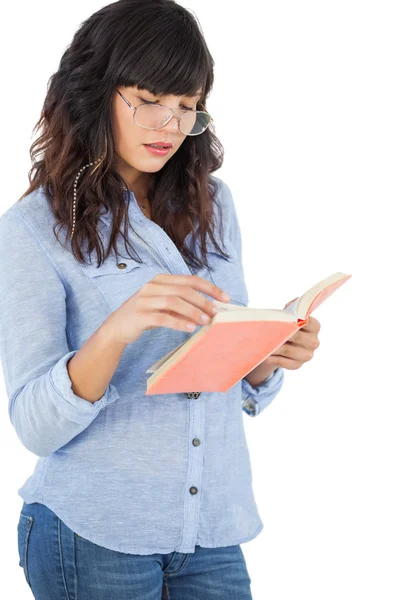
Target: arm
x=259, y=374
x=94, y=364
x=50, y=400
x=260, y=386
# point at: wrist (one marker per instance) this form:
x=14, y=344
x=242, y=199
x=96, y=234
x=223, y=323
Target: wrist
x=260, y=374
x=109, y=333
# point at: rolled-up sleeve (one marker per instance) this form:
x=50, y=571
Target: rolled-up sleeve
x=34, y=350
x=254, y=399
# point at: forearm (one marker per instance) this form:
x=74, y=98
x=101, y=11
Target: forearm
x=259, y=374
x=93, y=366
x=51, y=409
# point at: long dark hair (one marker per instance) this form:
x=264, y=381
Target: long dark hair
x=152, y=44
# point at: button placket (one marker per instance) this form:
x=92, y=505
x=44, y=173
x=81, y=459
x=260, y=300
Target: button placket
x=191, y=508
x=169, y=246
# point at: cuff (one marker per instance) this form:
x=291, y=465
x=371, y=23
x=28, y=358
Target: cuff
x=73, y=407
x=255, y=399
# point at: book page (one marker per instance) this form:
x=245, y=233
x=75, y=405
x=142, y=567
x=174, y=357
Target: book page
x=162, y=360
x=226, y=306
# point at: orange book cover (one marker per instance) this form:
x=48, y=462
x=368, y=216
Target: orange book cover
x=205, y=362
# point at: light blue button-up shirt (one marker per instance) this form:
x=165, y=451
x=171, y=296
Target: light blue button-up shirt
x=133, y=473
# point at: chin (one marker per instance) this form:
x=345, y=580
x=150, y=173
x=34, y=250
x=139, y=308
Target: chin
x=151, y=165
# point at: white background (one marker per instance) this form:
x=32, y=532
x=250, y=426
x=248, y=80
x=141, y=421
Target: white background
x=306, y=103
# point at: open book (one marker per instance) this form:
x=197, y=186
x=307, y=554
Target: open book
x=234, y=342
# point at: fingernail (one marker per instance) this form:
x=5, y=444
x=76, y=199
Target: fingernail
x=225, y=297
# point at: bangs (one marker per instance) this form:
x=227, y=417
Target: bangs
x=169, y=57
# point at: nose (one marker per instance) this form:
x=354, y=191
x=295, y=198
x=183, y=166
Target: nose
x=172, y=126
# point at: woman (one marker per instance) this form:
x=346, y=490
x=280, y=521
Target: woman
x=132, y=496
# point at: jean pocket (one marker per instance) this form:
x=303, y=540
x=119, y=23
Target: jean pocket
x=24, y=529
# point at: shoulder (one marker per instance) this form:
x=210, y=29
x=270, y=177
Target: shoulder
x=31, y=207
x=33, y=212
x=222, y=188
x=223, y=196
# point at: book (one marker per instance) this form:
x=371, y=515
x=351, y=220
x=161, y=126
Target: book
x=234, y=342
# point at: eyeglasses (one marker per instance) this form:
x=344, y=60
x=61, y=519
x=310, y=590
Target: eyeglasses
x=156, y=116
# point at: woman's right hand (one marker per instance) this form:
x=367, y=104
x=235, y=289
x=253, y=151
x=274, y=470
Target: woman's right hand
x=167, y=300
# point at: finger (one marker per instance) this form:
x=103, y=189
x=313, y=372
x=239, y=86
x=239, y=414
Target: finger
x=174, y=306
x=152, y=319
x=287, y=363
x=304, y=339
x=185, y=292
x=312, y=325
x=193, y=281
x=295, y=352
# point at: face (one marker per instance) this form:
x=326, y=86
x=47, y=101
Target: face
x=135, y=162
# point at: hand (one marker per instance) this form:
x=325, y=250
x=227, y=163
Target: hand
x=299, y=349
x=166, y=301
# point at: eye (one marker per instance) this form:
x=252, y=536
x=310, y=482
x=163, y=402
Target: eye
x=149, y=102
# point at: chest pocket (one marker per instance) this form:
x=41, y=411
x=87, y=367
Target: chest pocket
x=226, y=273
x=118, y=279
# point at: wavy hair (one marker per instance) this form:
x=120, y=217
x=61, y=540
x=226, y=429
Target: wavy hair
x=155, y=45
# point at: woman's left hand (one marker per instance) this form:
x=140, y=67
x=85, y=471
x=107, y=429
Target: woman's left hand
x=299, y=349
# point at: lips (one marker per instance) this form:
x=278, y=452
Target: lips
x=163, y=144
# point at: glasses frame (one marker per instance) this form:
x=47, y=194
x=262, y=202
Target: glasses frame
x=179, y=117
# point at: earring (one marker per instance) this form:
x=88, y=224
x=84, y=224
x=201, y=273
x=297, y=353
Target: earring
x=97, y=163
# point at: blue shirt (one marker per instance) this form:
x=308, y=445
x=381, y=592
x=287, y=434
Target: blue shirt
x=133, y=473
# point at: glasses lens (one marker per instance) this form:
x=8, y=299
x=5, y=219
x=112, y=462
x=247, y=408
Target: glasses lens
x=152, y=116
x=193, y=123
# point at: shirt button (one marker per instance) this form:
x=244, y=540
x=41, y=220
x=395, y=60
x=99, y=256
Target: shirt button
x=121, y=265
x=196, y=442
x=193, y=490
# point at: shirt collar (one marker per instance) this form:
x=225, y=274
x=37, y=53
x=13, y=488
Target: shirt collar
x=133, y=207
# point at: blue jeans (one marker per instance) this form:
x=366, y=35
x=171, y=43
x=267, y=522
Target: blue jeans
x=60, y=565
